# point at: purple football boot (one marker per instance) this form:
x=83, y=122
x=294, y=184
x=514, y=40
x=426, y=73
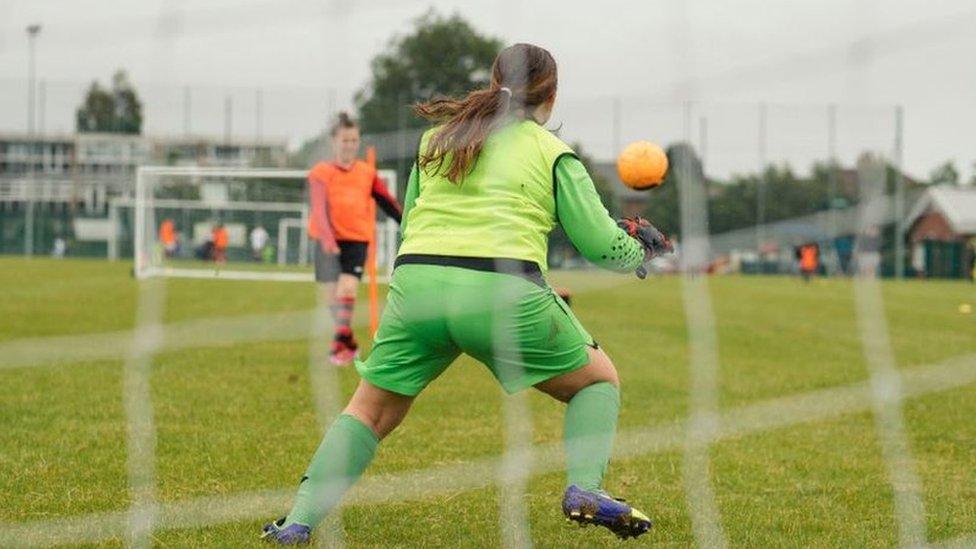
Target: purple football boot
x=293, y=534
x=598, y=507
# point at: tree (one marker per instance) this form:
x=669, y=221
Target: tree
x=115, y=110
x=946, y=173
x=443, y=56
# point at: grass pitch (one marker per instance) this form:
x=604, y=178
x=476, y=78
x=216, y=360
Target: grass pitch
x=236, y=414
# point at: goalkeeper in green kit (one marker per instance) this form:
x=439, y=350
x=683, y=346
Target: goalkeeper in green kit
x=488, y=186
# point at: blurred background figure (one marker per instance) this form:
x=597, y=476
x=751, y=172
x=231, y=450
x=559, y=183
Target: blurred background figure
x=168, y=238
x=220, y=241
x=918, y=259
x=59, y=248
x=809, y=257
x=204, y=252
x=259, y=241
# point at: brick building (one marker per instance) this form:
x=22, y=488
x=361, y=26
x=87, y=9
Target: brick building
x=942, y=232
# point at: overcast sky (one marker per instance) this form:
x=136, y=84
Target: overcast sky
x=725, y=56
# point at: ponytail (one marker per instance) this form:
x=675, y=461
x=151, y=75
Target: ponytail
x=467, y=123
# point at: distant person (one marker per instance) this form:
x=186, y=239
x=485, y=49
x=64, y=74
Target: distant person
x=844, y=246
x=343, y=194
x=220, y=242
x=809, y=256
x=918, y=259
x=259, y=241
x=59, y=248
x=168, y=237
x=204, y=252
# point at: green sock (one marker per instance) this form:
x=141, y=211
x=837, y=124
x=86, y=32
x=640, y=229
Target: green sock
x=343, y=455
x=590, y=425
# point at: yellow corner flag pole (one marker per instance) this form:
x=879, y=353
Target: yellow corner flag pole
x=374, y=305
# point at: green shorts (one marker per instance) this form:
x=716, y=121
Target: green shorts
x=523, y=332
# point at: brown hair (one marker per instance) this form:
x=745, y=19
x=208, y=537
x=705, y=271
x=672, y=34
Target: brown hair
x=523, y=77
x=343, y=121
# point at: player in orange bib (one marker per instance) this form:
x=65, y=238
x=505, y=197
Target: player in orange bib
x=220, y=242
x=809, y=256
x=167, y=236
x=343, y=195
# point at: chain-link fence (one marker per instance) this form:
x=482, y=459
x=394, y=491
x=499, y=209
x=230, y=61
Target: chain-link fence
x=779, y=175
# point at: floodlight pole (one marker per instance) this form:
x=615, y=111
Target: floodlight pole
x=228, y=118
x=761, y=187
x=41, y=106
x=899, y=195
x=258, y=115
x=703, y=143
x=616, y=108
x=186, y=110
x=832, y=174
x=32, y=32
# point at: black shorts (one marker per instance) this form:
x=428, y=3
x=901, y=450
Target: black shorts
x=350, y=261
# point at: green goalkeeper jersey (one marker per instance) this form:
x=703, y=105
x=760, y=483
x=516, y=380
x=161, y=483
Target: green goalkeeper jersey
x=523, y=183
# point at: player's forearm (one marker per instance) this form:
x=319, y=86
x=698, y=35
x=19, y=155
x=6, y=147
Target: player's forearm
x=387, y=202
x=588, y=224
x=319, y=208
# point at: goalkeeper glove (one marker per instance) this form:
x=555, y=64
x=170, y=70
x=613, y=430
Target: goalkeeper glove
x=653, y=240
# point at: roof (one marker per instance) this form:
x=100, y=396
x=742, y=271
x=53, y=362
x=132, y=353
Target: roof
x=956, y=204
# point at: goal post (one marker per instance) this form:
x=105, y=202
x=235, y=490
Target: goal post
x=183, y=204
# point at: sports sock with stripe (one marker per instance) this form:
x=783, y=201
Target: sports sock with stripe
x=342, y=314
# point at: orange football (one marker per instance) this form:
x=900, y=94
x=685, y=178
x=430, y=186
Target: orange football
x=642, y=165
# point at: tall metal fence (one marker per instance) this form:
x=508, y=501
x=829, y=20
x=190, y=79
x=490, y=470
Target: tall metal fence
x=732, y=141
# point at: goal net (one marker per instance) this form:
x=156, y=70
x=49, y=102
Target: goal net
x=261, y=214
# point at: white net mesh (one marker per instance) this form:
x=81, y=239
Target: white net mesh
x=758, y=410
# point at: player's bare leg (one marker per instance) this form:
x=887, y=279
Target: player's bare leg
x=379, y=409
x=600, y=369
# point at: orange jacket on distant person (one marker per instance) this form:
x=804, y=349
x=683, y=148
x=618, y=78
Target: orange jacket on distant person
x=167, y=232
x=342, y=202
x=220, y=238
x=808, y=257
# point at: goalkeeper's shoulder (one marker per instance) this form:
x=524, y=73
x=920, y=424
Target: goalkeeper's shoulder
x=550, y=146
